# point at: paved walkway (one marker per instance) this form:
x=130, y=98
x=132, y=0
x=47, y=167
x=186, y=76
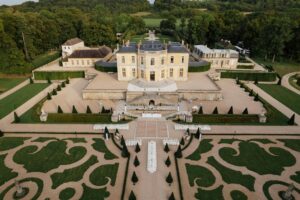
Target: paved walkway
x=285, y=82
x=14, y=89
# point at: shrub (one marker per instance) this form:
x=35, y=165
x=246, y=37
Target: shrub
x=30, y=80
x=136, y=161
x=67, y=81
x=58, y=75
x=168, y=162
x=58, y=88
x=48, y=80
x=169, y=178
x=251, y=93
x=125, y=152
x=292, y=120
x=245, y=112
x=200, y=110
x=215, y=112
x=172, y=197
x=54, y=92
x=230, y=112
x=59, y=110
x=88, y=110
x=74, y=111
x=178, y=153
x=137, y=148
x=166, y=149
x=256, y=98
x=132, y=196
x=134, y=178
x=197, y=133
x=16, y=117
x=63, y=84
x=49, y=96
x=256, y=81
x=203, y=68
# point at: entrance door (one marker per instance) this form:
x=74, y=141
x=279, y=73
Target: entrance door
x=152, y=76
x=151, y=103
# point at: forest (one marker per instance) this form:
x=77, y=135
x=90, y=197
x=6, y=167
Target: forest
x=269, y=28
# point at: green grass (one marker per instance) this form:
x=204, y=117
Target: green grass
x=13, y=101
x=101, y=175
x=210, y=194
x=54, y=155
x=162, y=38
x=74, y=174
x=90, y=193
x=8, y=83
x=231, y=176
x=6, y=173
x=58, y=75
x=250, y=154
x=155, y=22
x=203, y=147
x=291, y=143
x=293, y=82
x=283, y=67
x=7, y=143
x=202, y=176
x=100, y=146
x=225, y=119
x=238, y=195
x=296, y=177
x=45, y=58
x=284, y=95
x=67, y=193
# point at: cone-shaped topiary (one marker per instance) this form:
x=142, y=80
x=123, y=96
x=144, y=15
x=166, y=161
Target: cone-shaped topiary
x=74, y=111
x=49, y=96
x=122, y=141
x=251, y=93
x=132, y=196
x=58, y=88
x=137, y=148
x=134, y=178
x=215, y=112
x=172, y=197
x=198, y=133
x=16, y=117
x=88, y=110
x=182, y=141
x=125, y=152
x=200, y=111
x=178, y=153
x=292, y=120
x=67, y=81
x=63, y=84
x=169, y=178
x=168, y=162
x=230, y=112
x=59, y=110
x=48, y=80
x=166, y=149
x=245, y=112
x=256, y=81
x=136, y=161
x=256, y=98
x=31, y=80
x=54, y=92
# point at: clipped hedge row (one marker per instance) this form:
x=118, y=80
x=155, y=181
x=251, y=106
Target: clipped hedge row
x=58, y=75
x=45, y=59
x=225, y=118
x=199, y=68
x=106, y=69
x=249, y=76
x=78, y=118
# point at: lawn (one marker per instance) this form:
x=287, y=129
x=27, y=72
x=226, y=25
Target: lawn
x=285, y=96
x=281, y=67
x=58, y=75
x=162, y=38
x=8, y=83
x=293, y=82
x=13, y=101
x=155, y=22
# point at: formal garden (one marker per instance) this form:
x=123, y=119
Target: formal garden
x=70, y=168
x=8, y=83
x=245, y=167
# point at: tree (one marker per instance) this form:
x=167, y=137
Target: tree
x=74, y=111
x=168, y=162
x=256, y=81
x=200, y=112
x=122, y=141
x=59, y=110
x=245, y=112
x=137, y=148
x=172, y=197
x=178, y=153
x=16, y=117
x=166, y=149
x=169, y=179
x=67, y=81
x=54, y=92
x=49, y=96
x=134, y=178
x=136, y=161
x=132, y=196
x=230, y=112
x=216, y=111
x=49, y=81
x=251, y=93
x=88, y=110
x=256, y=98
x=125, y=152
x=292, y=120
x=182, y=141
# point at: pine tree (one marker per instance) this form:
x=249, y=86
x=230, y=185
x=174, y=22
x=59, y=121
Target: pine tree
x=215, y=112
x=178, y=153
x=58, y=88
x=245, y=112
x=292, y=120
x=166, y=149
x=63, y=84
x=168, y=162
x=132, y=196
x=182, y=141
x=169, y=178
x=197, y=133
x=59, y=110
x=74, y=111
x=122, y=141
x=256, y=98
x=30, y=80
x=172, y=197
x=88, y=110
x=230, y=112
x=134, y=178
x=256, y=81
x=137, y=148
x=54, y=92
x=200, y=112
x=136, y=161
x=16, y=117
x=279, y=81
x=49, y=96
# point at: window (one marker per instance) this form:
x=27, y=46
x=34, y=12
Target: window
x=182, y=59
x=152, y=61
x=227, y=62
x=124, y=72
x=142, y=73
x=82, y=62
x=123, y=59
x=162, y=61
x=142, y=60
x=172, y=59
x=162, y=73
x=171, y=72
x=88, y=62
x=133, y=59
x=72, y=62
x=181, y=72
x=133, y=72
x=77, y=62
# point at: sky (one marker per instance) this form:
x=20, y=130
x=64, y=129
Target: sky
x=13, y=2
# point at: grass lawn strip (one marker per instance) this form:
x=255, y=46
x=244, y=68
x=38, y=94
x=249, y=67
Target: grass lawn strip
x=9, y=83
x=7, y=143
x=13, y=101
x=100, y=146
x=250, y=154
x=54, y=154
x=74, y=174
x=232, y=176
x=203, y=147
x=283, y=95
x=202, y=176
x=101, y=174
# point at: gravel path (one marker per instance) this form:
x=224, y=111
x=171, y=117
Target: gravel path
x=285, y=82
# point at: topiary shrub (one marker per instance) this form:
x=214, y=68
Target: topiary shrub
x=215, y=112
x=134, y=178
x=54, y=92
x=168, y=162
x=74, y=111
x=245, y=112
x=16, y=118
x=63, y=84
x=200, y=111
x=58, y=88
x=31, y=80
x=88, y=110
x=49, y=96
x=136, y=161
x=230, y=112
x=137, y=148
x=166, y=149
x=169, y=179
x=59, y=110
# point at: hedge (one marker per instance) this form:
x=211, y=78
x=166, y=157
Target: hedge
x=106, y=69
x=45, y=59
x=245, y=67
x=202, y=68
x=78, y=118
x=58, y=75
x=225, y=118
x=249, y=76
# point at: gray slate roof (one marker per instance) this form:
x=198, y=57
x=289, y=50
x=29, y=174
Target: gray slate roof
x=91, y=53
x=72, y=41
